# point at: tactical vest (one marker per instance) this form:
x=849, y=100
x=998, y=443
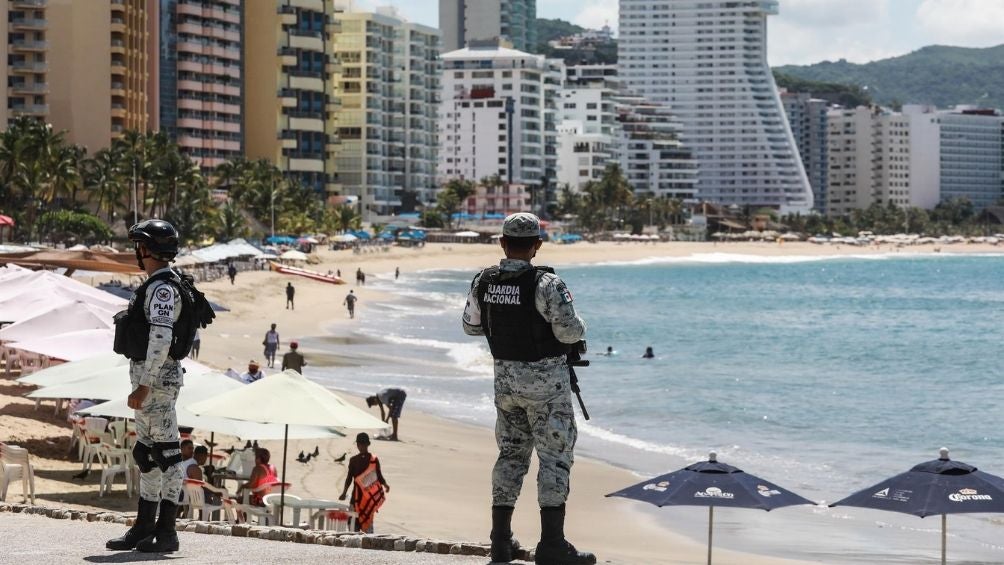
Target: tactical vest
x=132, y=329
x=514, y=328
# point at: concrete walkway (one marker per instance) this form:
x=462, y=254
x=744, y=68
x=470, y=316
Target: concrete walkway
x=31, y=540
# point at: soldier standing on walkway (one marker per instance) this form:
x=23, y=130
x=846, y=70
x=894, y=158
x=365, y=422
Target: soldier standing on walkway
x=527, y=315
x=155, y=333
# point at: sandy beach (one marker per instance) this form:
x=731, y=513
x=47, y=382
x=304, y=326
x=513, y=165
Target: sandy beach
x=440, y=473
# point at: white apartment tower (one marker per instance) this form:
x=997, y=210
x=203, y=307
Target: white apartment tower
x=498, y=115
x=708, y=61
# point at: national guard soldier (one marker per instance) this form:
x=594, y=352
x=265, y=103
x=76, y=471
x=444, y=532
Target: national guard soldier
x=527, y=315
x=155, y=333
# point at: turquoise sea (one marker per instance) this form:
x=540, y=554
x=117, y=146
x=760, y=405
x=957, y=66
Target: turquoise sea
x=824, y=375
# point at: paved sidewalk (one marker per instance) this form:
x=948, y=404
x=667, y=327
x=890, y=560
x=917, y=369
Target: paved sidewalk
x=31, y=540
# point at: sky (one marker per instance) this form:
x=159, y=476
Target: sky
x=809, y=31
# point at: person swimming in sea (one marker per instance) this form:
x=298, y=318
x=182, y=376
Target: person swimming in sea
x=649, y=354
x=610, y=352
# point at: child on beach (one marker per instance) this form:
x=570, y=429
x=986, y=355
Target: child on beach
x=368, y=485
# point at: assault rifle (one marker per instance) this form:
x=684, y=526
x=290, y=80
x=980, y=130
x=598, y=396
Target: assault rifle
x=574, y=359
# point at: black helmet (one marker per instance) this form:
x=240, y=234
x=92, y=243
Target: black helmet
x=158, y=236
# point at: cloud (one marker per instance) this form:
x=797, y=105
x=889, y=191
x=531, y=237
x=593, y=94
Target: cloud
x=830, y=13
x=596, y=14
x=969, y=23
x=793, y=43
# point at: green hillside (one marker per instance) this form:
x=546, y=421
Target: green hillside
x=939, y=75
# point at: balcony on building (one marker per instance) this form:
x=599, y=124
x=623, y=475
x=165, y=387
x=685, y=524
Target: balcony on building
x=28, y=4
x=28, y=24
x=29, y=88
x=29, y=66
x=30, y=109
x=29, y=45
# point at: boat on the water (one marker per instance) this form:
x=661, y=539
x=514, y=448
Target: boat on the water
x=287, y=270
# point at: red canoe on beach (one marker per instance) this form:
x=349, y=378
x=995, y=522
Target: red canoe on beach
x=287, y=270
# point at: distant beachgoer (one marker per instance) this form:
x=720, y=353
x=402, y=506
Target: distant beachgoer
x=271, y=343
x=649, y=354
x=359, y=277
x=610, y=352
x=363, y=278
x=232, y=272
x=253, y=373
x=290, y=292
x=338, y=273
x=397, y=272
x=350, y=302
x=368, y=485
x=293, y=359
x=393, y=399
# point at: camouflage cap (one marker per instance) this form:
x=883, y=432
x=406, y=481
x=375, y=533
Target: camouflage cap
x=521, y=224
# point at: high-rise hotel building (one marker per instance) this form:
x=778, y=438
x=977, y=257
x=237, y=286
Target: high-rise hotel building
x=84, y=67
x=201, y=78
x=707, y=60
x=387, y=83
x=288, y=95
x=463, y=21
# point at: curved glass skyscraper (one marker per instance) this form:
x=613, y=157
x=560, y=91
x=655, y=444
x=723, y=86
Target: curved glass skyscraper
x=708, y=61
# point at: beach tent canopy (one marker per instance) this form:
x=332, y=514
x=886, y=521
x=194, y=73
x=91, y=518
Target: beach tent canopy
x=45, y=283
x=6, y=220
x=210, y=385
x=362, y=234
x=70, y=346
x=344, y=238
x=280, y=240
x=73, y=260
x=59, y=318
x=293, y=255
x=467, y=234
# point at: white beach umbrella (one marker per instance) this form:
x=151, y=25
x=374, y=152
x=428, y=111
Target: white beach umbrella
x=74, y=370
x=294, y=255
x=70, y=346
x=210, y=385
x=60, y=318
x=288, y=398
x=106, y=383
x=344, y=238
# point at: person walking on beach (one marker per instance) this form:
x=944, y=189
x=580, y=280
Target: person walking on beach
x=526, y=313
x=290, y=292
x=350, y=302
x=368, y=485
x=232, y=273
x=293, y=359
x=359, y=276
x=397, y=272
x=196, y=345
x=155, y=333
x=271, y=343
x=393, y=399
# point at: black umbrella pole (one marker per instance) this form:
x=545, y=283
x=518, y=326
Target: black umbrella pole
x=212, y=442
x=711, y=526
x=282, y=486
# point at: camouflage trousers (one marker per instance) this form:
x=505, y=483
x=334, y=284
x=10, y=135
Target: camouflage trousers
x=157, y=423
x=533, y=403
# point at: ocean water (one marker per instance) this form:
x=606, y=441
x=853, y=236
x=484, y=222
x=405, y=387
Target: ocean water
x=822, y=375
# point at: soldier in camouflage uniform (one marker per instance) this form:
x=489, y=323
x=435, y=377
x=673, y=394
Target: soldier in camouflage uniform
x=156, y=381
x=526, y=313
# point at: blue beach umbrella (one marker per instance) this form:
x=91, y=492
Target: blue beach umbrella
x=941, y=486
x=712, y=483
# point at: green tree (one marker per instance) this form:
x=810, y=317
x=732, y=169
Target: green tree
x=452, y=197
x=69, y=226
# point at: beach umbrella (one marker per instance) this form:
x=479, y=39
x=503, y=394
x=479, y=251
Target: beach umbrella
x=108, y=383
x=66, y=372
x=294, y=255
x=712, y=483
x=59, y=318
x=344, y=238
x=288, y=398
x=69, y=346
x=209, y=385
x=941, y=486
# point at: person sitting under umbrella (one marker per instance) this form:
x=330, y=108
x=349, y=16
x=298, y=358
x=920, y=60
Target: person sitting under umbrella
x=253, y=373
x=263, y=474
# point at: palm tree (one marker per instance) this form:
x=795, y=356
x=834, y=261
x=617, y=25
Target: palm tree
x=230, y=222
x=104, y=178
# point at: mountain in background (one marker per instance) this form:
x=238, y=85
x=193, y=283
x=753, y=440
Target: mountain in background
x=552, y=29
x=938, y=75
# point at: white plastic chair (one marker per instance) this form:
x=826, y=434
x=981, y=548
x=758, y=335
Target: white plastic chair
x=113, y=463
x=117, y=429
x=16, y=466
x=272, y=503
x=336, y=520
x=195, y=499
x=94, y=435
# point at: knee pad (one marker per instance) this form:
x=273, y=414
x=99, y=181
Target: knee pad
x=141, y=453
x=163, y=460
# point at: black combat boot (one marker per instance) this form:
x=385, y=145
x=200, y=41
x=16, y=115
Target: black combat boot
x=553, y=548
x=146, y=517
x=504, y=545
x=164, y=539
